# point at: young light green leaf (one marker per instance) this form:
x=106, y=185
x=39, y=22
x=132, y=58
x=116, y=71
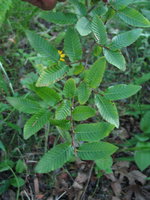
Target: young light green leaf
x=20, y=166
x=121, y=91
x=93, y=131
x=133, y=17
x=142, y=157
x=83, y=26
x=84, y=92
x=42, y=46
x=51, y=75
x=96, y=150
x=24, y=104
x=105, y=164
x=107, y=109
x=35, y=123
x=59, y=18
x=55, y=158
x=95, y=73
x=82, y=113
x=99, y=30
x=63, y=110
x=49, y=95
x=78, y=69
x=69, y=88
x=72, y=45
x=144, y=123
x=115, y=58
x=125, y=39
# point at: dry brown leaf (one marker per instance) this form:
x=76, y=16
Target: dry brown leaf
x=36, y=186
x=136, y=175
x=81, y=178
x=111, y=177
x=121, y=133
x=121, y=164
x=39, y=196
x=115, y=198
x=116, y=186
x=136, y=191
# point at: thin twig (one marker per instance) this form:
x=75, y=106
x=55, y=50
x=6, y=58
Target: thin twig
x=26, y=195
x=89, y=54
x=89, y=178
x=47, y=128
x=18, y=188
x=61, y=195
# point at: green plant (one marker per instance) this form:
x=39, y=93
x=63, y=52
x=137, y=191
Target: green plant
x=139, y=143
x=15, y=169
x=66, y=93
x=4, y=7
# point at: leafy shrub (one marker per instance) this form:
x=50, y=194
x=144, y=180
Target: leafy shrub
x=67, y=92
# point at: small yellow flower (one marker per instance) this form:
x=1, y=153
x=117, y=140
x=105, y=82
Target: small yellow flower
x=62, y=56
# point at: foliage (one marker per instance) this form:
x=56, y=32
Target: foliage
x=67, y=91
x=4, y=7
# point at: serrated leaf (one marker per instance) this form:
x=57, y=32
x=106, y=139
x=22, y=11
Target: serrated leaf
x=35, y=123
x=55, y=158
x=105, y=164
x=24, y=104
x=142, y=157
x=51, y=75
x=121, y=91
x=49, y=95
x=96, y=150
x=82, y=113
x=133, y=17
x=80, y=8
x=84, y=93
x=93, y=131
x=145, y=122
x=83, y=26
x=42, y=46
x=62, y=123
x=59, y=18
x=121, y=4
x=72, y=45
x=125, y=39
x=69, y=88
x=63, y=110
x=115, y=58
x=65, y=134
x=95, y=73
x=100, y=10
x=99, y=30
x=107, y=110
